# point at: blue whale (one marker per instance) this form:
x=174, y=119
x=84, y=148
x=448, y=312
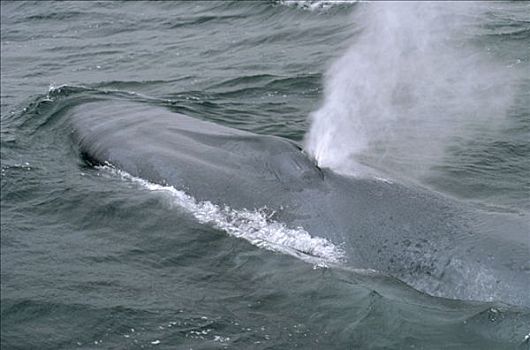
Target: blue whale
x=433, y=243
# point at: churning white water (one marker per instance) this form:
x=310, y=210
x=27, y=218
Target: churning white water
x=414, y=79
x=254, y=226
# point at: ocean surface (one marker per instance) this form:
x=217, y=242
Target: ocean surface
x=435, y=96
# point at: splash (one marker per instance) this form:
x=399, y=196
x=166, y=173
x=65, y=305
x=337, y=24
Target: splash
x=315, y=5
x=255, y=226
x=411, y=81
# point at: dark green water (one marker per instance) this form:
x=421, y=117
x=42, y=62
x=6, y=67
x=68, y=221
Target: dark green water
x=92, y=261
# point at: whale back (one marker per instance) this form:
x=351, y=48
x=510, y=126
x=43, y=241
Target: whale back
x=426, y=240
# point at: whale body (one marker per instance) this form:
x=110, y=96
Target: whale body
x=433, y=243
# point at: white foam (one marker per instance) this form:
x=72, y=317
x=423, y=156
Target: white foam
x=254, y=226
x=313, y=5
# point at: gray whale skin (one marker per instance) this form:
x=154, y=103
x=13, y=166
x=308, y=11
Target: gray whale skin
x=433, y=243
